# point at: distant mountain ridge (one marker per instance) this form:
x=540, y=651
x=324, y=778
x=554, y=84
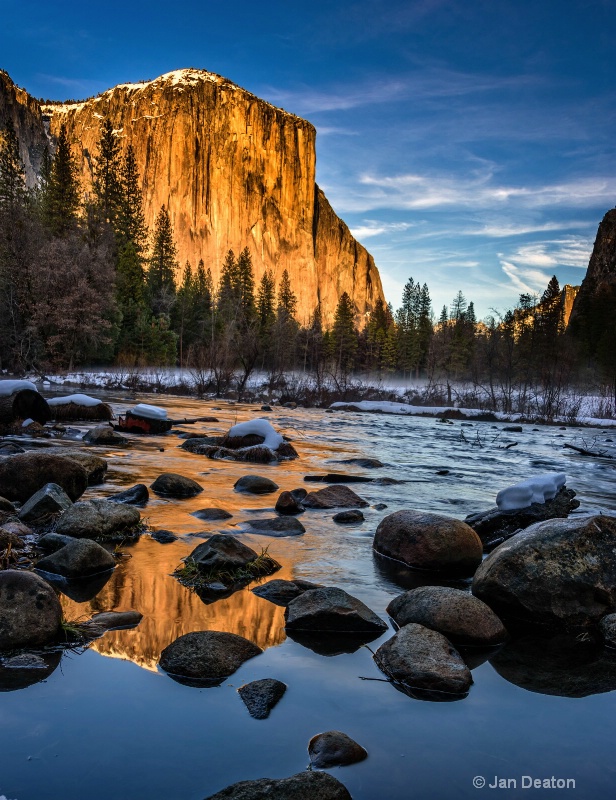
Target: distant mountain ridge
x=233, y=170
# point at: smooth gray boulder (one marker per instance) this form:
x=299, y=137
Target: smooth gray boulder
x=429, y=541
x=334, y=749
x=330, y=609
x=104, y=435
x=80, y=558
x=352, y=517
x=137, y=495
x=281, y=592
x=560, y=573
x=98, y=519
x=30, y=612
x=303, y=786
x=462, y=618
x=260, y=697
x=222, y=553
x=418, y=658
x=255, y=484
x=51, y=499
x=170, y=484
x=207, y=657
x=335, y=496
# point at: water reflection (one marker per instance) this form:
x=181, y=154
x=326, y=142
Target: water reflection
x=21, y=671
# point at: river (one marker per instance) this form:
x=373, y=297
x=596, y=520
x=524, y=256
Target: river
x=108, y=725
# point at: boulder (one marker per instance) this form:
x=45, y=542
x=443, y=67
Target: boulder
x=106, y=436
x=30, y=612
x=112, y=621
x=197, y=444
x=137, y=495
x=289, y=503
x=80, y=558
x=429, y=541
x=335, y=477
x=207, y=657
x=276, y=526
x=607, y=627
x=365, y=463
x=281, y=592
x=211, y=514
x=8, y=538
x=53, y=541
x=336, y=496
x=561, y=572
x=330, y=609
x=6, y=507
x=352, y=517
x=334, y=749
x=303, y=786
x=23, y=475
x=51, y=499
x=170, y=484
x=95, y=466
x=25, y=669
x=494, y=526
x=98, y=519
x=222, y=553
x=418, y=658
x=459, y=616
x=255, y=484
x=260, y=697
x=10, y=449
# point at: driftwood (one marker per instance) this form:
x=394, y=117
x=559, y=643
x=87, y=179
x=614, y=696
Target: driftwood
x=593, y=453
x=25, y=404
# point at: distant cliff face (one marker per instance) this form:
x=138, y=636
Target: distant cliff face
x=234, y=171
x=25, y=114
x=601, y=274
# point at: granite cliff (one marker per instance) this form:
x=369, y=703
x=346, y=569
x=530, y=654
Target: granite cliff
x=599, y=283
x=233, y=170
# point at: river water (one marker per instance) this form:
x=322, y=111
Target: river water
x=108, y=725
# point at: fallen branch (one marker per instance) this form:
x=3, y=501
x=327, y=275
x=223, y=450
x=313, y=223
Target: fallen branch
x=593, y=453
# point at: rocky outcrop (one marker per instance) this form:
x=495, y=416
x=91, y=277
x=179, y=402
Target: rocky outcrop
x=305, y=785
x=233, y=170
x=599, y=284
x=206, y=657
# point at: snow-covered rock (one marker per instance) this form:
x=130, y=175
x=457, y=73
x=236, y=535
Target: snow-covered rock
x=77, y=399
x=149, y=412
x=7, y=388
x=258, y=427
x=537, y=489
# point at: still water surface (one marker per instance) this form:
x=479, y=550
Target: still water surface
x=106, y=724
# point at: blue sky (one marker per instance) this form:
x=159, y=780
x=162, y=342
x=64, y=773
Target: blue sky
x=470, y=144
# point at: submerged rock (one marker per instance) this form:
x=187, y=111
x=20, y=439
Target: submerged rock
x=336, y=496
x=281, y=592
x=207, y=657
x=348, y=517
x=98, y=519
x=429, y=542
x=211, y=514
x=459, y=616
x=51, y=499
x=330, y=609
x=420, y=658
x=22, y=475
x=255, y=484
x=25, y=669
x=137, y=495
x=334, y=749
x=303, y=786
x=170, y=484
x=163, y=536
x=222, y=553
x=113, y=620
x=30, y=612
x=291, y=502
x=561, y=572
x=105, y=435
x=80, y=558
x=261, y=696
x=276, y=526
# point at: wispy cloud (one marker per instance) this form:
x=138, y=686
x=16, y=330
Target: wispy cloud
x=372, y=228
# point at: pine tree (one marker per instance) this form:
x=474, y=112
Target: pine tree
x=203, y=304
x=130, y=222
x=12, y=172
x=162, y=265
x=265, y=301
x=107, y=184
x=61, y=195
x=344, y=336
x=227, y=298
x=287, y=301
x=245, y=288
x=183, y=312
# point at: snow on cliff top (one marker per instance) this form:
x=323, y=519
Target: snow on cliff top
x=178, y=78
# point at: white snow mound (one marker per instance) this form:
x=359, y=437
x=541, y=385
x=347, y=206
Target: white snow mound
x=533, y=490
x=258, y=427
x=149, y=412
x=7, y=388
x=78, y=399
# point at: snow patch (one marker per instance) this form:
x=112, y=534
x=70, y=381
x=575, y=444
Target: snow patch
x=78, y=399
x=148, y=411
x=258, y=427
x=533, y=490
x=27, y=422
x=8, y=388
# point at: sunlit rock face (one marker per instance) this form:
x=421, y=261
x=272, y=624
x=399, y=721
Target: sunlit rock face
x=234, y=172
x=24, y=112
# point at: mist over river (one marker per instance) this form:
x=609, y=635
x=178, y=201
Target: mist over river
x=107, y=724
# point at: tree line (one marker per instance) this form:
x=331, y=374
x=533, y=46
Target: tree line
x=83, y=281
